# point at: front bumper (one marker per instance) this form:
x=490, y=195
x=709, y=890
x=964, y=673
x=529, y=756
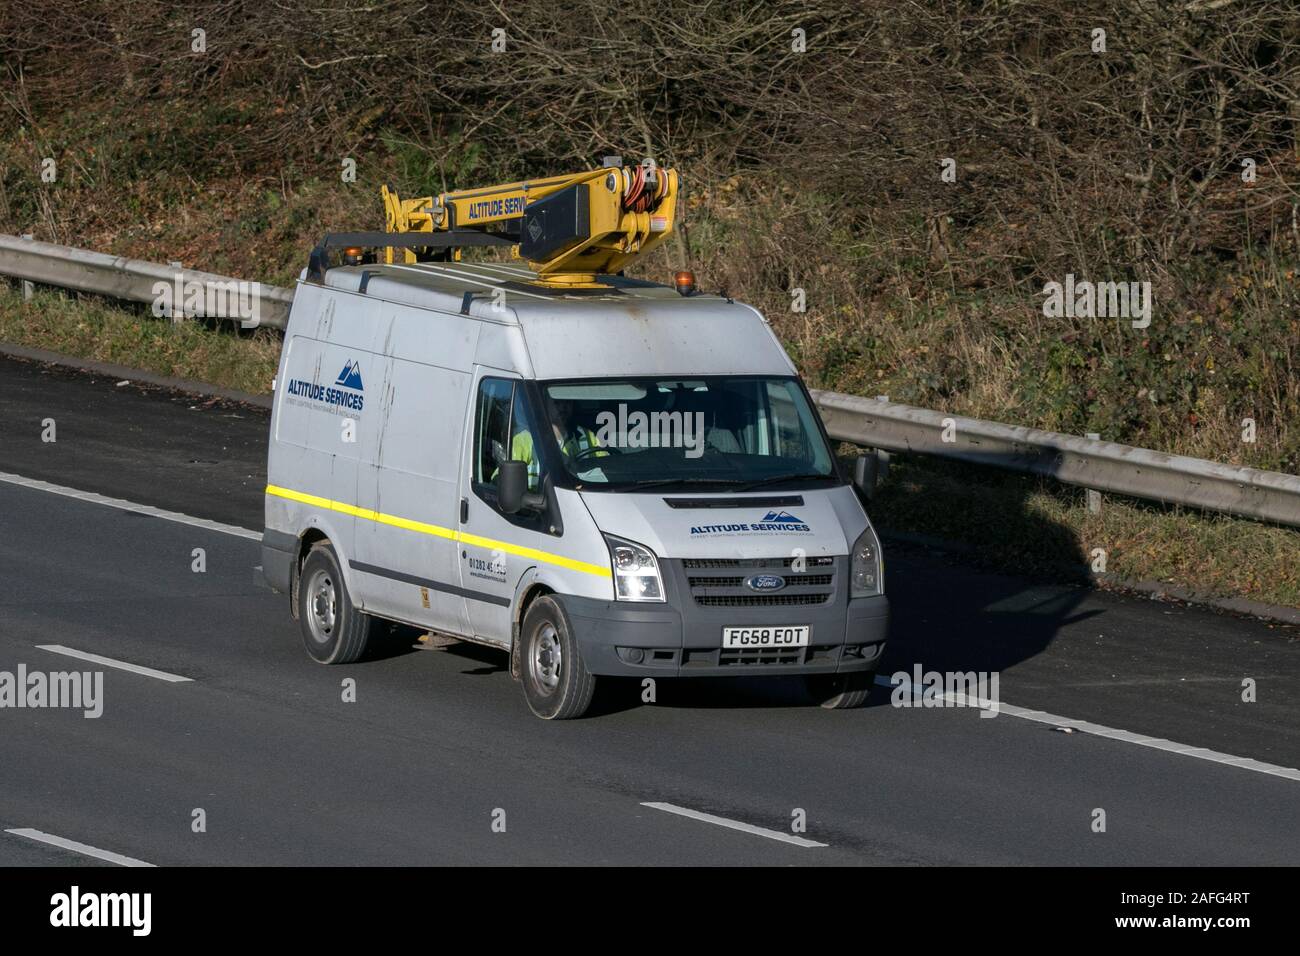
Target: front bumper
x=618, y=638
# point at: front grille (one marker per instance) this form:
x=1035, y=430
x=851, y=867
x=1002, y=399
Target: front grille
x=720, y=582
x=761, y=655
x=791, y=580
x=760, y=600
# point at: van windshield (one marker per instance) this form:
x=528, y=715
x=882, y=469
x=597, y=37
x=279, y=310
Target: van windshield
x=726, y=431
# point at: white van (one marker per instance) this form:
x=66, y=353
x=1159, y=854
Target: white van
x=630, y=482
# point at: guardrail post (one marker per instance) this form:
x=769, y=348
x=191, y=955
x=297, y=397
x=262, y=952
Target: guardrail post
x=1094, y=496
x=28, y=288
x=178, y=308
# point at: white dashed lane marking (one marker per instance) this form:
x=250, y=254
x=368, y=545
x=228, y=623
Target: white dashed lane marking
x=110, y=662
x=84, y=849
x=733, y=824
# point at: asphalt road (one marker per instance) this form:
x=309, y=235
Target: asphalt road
x=439, y=743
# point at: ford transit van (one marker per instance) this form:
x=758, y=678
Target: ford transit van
x=627, y=482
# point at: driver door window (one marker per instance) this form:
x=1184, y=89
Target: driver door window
x=503, y=431
x=491, y=428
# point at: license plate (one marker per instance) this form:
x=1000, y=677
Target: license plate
x=766, y=636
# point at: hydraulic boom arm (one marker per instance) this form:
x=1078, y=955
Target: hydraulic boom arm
x=569, y=229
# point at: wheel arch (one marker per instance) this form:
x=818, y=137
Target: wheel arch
x=534, y=583
x=309, y=537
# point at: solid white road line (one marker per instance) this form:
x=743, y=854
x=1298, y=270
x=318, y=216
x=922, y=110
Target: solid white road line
x=1098, y=730
x=75, y=847
x=118, y=503
x=109, y=662
x=733, y=824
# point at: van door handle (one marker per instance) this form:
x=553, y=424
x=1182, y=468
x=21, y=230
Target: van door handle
x=464, y=510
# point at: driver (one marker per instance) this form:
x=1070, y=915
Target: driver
x=580, y=440
x=572, y=444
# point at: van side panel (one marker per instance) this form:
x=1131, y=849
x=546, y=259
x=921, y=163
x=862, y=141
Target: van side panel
x=320, y=409
x=406, y=556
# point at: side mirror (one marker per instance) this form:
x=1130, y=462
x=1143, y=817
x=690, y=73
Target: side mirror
x=870, y=470
x=512, y=485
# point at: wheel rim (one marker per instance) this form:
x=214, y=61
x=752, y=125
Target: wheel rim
x=546, y=660
x=322, y=606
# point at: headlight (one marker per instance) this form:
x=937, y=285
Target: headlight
x=636, y=572
x=866, y=571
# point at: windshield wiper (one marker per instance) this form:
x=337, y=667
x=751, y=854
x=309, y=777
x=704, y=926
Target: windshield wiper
x=773, y=479
x=663, y=482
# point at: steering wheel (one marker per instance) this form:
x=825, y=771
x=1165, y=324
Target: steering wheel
x=595, y=450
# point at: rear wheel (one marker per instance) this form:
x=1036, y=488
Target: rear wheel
x=557, y=685
x=333, y=630
x=840, y=691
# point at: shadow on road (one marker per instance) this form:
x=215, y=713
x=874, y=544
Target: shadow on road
x=946, y=615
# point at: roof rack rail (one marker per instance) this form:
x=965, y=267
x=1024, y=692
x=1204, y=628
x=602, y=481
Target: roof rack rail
x=318, y=263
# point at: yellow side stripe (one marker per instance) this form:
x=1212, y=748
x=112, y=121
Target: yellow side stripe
x=421, y=527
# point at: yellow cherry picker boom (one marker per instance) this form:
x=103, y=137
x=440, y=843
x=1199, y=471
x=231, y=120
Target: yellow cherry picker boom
x=570, y=230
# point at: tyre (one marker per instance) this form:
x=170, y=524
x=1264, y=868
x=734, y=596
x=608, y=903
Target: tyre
x=557, y=685
x=840, y=691
x=333, y=631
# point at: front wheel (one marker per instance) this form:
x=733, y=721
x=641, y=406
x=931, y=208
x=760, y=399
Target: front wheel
x=840, y=691
x=557, y=685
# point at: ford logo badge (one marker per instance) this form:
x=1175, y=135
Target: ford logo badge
x=765, y=582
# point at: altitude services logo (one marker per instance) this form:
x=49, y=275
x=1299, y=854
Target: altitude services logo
x=774, y=522
x=347, y=394
x=350, y=377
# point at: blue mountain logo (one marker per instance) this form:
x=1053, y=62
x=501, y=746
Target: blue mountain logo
x=781, y=517
x=350, y=377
